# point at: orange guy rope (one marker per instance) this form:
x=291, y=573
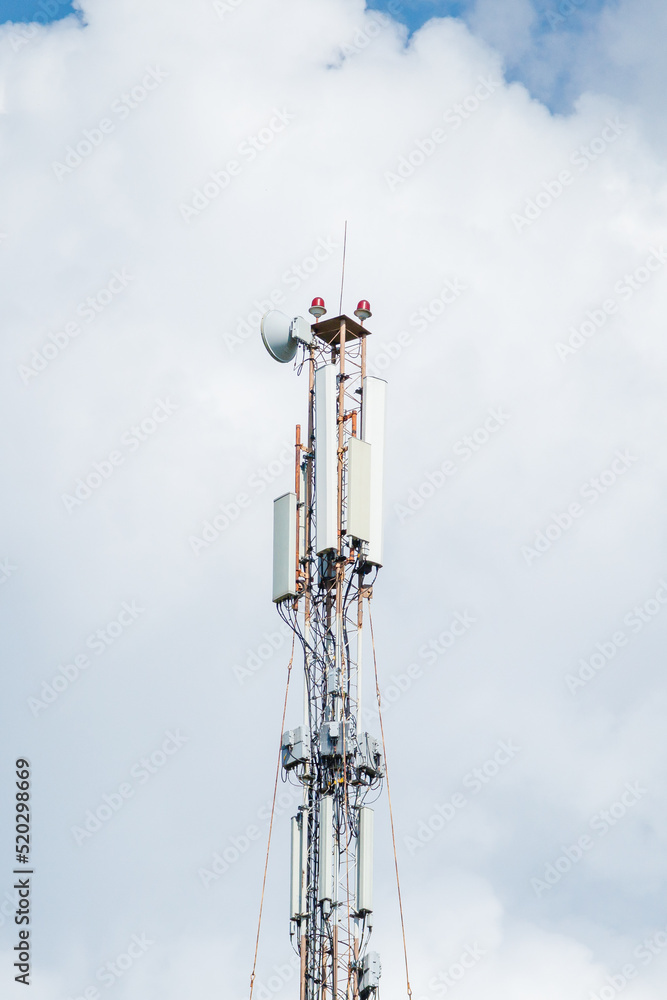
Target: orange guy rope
x=273, y=806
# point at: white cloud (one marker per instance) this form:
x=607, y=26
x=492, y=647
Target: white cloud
x=355, y=102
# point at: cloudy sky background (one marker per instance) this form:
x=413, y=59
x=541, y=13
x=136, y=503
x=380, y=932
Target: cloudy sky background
x=358, y=95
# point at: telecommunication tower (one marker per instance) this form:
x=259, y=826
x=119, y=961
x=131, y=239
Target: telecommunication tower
x=327, y=550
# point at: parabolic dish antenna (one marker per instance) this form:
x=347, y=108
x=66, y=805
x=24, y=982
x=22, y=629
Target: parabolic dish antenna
x=282, y=335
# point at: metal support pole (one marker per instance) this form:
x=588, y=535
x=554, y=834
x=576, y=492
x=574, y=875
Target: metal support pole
x=335, y=763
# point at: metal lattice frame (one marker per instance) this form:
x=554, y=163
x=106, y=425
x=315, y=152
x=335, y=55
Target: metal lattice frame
x=327, y=617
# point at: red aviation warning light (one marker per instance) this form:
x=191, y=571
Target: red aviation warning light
x=317, y=308
x=363, y=311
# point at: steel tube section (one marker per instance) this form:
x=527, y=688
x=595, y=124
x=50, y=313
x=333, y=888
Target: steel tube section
x=325, y=991
x=326, y=848
x=307, y=539
x=340, y=567
x=360, y=649
x=335, y=956
x=296, y=869
x=302, y=970
x=355, y=978
x=302, y=496
x=365, y=860
x=303, y=881
x=341, y=434
x=326, y=459
x=297, y=490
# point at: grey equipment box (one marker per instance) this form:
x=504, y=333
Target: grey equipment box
x=370, y=760
x=371, y=970
x=331, y=739
x=296, y=747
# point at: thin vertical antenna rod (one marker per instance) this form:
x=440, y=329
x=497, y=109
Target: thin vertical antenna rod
x=342, y=274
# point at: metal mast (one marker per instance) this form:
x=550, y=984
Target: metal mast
x=327, y=551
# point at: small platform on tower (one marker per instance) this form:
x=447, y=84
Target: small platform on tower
x=329, y=329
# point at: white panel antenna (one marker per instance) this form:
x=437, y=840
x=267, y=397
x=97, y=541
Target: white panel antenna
x=358, y=489
x=365, y=860
x=284, y=547
x=326, y=848
x=295, y=869
x=326, y=459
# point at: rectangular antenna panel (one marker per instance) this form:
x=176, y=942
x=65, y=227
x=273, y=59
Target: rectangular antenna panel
x=303, y=510
x=284, y=547
x=326, y=459
x=326, y=848
x=373, y=432
x=304, y=861
x=359, y=489
x=295, y=870
x=365, y=861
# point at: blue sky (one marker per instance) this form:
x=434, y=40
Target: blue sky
x=574, y=12
x=546, y=55
x=34, y=10
x=413, y=12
